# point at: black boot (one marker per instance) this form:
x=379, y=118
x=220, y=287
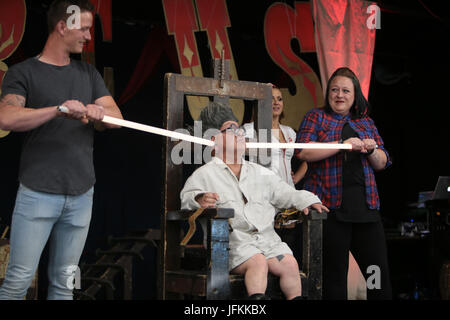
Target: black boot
x=299, y=298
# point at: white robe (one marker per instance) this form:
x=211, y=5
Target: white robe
x=253, y=221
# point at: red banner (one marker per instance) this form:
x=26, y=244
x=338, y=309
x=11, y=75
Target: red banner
x=282, y=24
x=12, y=27
x=181, y=21
x=345, y=38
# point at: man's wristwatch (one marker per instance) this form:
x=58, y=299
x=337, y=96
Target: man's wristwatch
x=63, y=109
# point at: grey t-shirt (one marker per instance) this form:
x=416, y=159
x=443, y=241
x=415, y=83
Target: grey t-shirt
x=57, y=157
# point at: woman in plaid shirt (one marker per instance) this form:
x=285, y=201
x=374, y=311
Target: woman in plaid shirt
x=345, y=183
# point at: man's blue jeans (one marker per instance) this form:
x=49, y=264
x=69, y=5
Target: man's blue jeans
x=37, y=217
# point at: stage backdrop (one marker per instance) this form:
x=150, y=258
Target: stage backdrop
x=343, y=34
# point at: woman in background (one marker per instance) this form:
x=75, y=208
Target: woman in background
x=281, y=158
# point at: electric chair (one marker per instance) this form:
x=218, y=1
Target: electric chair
x=200, y=271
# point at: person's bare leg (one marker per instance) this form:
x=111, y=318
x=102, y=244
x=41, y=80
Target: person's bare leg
x=286, y=268
x=255, y=272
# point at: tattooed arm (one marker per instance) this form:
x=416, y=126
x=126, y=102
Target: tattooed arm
x=14, y=116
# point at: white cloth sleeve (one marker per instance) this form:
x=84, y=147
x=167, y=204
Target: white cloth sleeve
x=192, y=188
x=284, y=196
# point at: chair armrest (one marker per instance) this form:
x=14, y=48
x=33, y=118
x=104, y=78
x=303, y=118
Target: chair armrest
x=314, y=215
x=213, y=213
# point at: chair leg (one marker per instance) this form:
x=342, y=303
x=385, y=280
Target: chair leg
x=218, y=283
x=312, y=257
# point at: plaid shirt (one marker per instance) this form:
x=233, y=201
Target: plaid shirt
x=324, y=178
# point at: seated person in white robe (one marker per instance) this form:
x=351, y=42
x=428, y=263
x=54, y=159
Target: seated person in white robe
x=255, y=193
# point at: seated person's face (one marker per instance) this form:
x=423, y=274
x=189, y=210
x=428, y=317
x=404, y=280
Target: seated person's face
x=230, y=143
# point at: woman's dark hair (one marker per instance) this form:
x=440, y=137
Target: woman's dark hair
x=361, y=106
x=58, y=11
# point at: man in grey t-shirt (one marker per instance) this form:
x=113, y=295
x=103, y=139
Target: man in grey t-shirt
x=56, y=174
